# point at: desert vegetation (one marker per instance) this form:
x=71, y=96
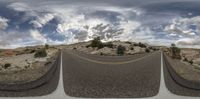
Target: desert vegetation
x=175, y=52
x=20, y=61
x=40, y=53
x=185, y=55
x=96, y=43
x=120, y=50
x=96, y=46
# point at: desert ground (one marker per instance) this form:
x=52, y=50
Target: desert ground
x=22, y=65
x=131, y=48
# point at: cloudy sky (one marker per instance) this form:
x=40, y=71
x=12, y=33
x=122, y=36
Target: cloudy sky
x=157, y=22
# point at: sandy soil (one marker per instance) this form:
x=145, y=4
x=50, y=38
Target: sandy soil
x=24, y=67
x=131, y=49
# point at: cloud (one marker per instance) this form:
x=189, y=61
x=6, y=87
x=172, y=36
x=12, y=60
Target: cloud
x=189, y=42
x=3, y=23
x=183, y=26
x=36, y=35
x=42, y=20
x=60, y=22
x=186, y=29
x=19, y=6
x=106, y=22
x=13, y=39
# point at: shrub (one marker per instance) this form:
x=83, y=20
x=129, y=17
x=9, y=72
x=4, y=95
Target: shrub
x=7, y=65
x=155, y=49
x=150, y=47
x=131, y=48
x=26, y=50
x=87, y=46
x=128, y=42
x=175, y=52
x=32, y=51
x=147, y=50
x=96, y=42
x=108, y=44
x=136, y=44
x=142, y=45
x=191, y=62
x=40, y=53
x=120, y=50
x=46, y=46
x=47, y=63
x=74, y=48
x=185, y=59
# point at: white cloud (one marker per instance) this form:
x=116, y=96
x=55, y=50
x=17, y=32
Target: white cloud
x=187, y=30
x=31, y=11
x=78, y=23
x=19, y=6
x=36, y=35
x=3, y=23
x=78, y=18
x=13, y=39
x=184, y=26
x=42, y=20
x=188, y=42
x=172, y=34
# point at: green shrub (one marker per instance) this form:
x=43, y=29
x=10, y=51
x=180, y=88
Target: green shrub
x=147, y=50
x=128, y=42
x=87, y=46
x=191, y=62
x=120, y=50
x=108, y=44
x=46, y=46
x=7, y=65
x=40, y=53
x=131, y=48
x=175, y=52
x=136, y=44
x=74, y=48
x=155, y=49
x=96, y=42
x=185, y=59
x=32, y=51
x=47, y=63
x=142, y=45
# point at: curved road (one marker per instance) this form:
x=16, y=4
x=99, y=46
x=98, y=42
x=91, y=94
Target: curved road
x=87, y=76
x=59, y=93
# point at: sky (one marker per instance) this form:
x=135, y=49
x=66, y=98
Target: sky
x=156, y=22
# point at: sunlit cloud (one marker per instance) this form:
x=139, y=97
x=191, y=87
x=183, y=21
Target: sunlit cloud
x=63, y=23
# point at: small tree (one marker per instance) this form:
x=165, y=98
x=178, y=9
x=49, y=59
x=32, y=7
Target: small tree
x=40, y=53
x=142, y=45
x=131, y=48
x=135, y=44
x=128, y=42
x=96, y=42
x=191, y=62
x=185, y=59
x=147, y=50
x=46, y=46
x=32, y=51
x=175, y=52
x=7, y=65
x=108, y=44
x=101, y=53
x=120, y=50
